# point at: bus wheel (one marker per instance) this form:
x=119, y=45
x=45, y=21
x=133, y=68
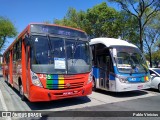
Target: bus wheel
x=94, y=85
x=159, y=87
x=21, y=92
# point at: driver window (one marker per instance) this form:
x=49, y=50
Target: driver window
x=102, y=61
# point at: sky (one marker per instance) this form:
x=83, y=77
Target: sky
x=23, y=12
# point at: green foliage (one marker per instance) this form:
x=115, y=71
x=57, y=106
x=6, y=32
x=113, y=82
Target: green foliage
x=129, y=26
x=102, y=21
x=158, y=44
x=98, y=21
x=7, y=30
x=152, y=36
x=72, y=19
x=142, y=10
x=156, y=58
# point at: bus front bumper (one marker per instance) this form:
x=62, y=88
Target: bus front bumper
x=132, y=87
x=41, y=94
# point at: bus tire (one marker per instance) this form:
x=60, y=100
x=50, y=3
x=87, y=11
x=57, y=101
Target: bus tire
x=23, y=98
x=94, y=85
x=158, y=87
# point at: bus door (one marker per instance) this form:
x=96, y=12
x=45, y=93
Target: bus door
x=103, y=65
x=10, y=67
x=14, y=68
x=27, y=66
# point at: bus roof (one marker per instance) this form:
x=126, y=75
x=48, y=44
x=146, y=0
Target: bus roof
x=109, y=42
x=57, y=26
x=27, y=29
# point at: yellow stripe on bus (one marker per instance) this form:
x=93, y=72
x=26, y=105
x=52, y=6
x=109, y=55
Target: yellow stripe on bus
x=60, y=81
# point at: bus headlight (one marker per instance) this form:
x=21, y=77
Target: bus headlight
x=35, y=80
x=90, y=78
x=123, y=80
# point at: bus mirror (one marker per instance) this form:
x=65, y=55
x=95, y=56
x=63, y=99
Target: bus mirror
x=114, y=52
x=27, y=41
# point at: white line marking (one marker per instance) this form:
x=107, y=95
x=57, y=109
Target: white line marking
x=4, y=104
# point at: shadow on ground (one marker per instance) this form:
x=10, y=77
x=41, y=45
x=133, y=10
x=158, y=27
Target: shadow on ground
x=53, y=104
x=123, y=94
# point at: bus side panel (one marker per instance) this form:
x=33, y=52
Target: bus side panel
x=29, y=81
x=24, y=68
x=112, y=82
x=96, y=76
x=11, y=69
x=4, y=68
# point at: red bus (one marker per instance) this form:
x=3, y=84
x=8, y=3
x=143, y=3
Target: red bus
x=49, y=62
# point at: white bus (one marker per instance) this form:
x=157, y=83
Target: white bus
x=118, y=66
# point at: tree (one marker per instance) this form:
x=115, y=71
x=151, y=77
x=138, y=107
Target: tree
x=138, y=9
x=156, y=58
x=152, y=36
x=7, y=30
x=102, y=21
x=129, y=28
x=99, y=21
x=72, y=19
x=158, y=44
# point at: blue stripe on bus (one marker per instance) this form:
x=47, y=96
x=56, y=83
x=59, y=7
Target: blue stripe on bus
x=55, y=81
x=111, y=77
x=115, y=70
x=135, y=79
x=96, y=72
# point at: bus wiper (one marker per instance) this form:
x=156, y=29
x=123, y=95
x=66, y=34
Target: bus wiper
x=144, y=68
x=131, y=64
x=143, y=65
x=75, y=47
x=34, y=52
x=74, y=50
x=50, y=45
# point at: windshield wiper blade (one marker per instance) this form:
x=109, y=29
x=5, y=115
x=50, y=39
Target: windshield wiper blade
x=50, y=45
x=144, y=68
x=34, y=51
x=75, y=47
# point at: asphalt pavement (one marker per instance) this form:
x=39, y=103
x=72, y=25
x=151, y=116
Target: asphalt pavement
x=1, y=105
x=100, y=105
x=2, y=102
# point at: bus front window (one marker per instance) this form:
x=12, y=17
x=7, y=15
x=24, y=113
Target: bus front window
x=46, y=51
x=78, y=56
x=54, y=55
x=131, y=61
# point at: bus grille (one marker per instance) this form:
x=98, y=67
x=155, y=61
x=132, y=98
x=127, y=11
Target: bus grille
x=64, y=86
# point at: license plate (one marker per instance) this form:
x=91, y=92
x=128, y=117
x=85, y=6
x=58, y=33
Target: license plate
x=140, y=87
x=67, y=93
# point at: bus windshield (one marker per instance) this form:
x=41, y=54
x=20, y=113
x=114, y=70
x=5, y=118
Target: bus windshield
x=56, y=55
x=130, y=60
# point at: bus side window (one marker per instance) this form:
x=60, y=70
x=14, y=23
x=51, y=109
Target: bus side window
x=102, y=61
x=94, y=61
x=7, y=57
x=14, y=53
x=19, y=52
x=111, y=64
